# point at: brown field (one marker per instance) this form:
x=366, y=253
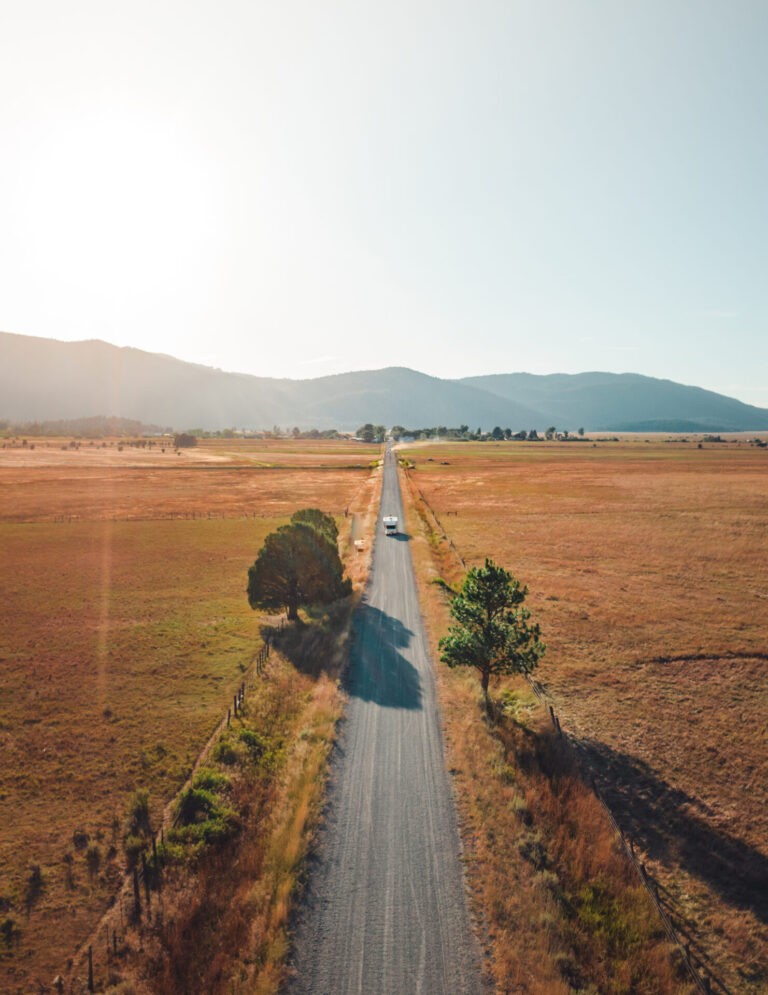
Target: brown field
x=646, y=563
x=160, y=451
x=121, y=644
x=53, y=482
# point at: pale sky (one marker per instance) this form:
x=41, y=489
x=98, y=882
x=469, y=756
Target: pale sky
x=301, y=188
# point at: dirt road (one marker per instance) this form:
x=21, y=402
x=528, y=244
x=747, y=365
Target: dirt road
x=385, y=910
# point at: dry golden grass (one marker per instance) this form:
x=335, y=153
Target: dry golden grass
x=73, y=493
x=646, y=568
x=557, y=903
x=222, y=921
x=161, y=452
x=121, y=644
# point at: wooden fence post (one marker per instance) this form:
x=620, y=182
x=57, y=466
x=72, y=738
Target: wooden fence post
x=136, y=893
x=155, y=863
x=145, y=872
x=90, y=969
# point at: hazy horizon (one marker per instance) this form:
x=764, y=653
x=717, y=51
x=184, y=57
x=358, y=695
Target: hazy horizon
x=373, y=369
x=297, y=191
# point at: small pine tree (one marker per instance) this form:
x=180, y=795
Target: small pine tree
x=492, y=632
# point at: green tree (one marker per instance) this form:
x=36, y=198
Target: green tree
x=297, y=565
x=366, y=432
x=550, y=432
x=497, y=433
x=533, y=435
x=184, y=440
x=319, y=521
x=492, y=632
x=581, y=432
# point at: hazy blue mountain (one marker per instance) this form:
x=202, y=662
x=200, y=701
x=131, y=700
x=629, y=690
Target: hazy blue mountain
x=623, y=402
x=44, y=380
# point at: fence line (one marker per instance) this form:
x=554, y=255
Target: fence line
x=165, y=516
x=439, y=524
x=697, y=971
x=149, y=875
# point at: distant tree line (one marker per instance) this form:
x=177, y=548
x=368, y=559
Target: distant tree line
x=463, y=433
x=96, y=427
x=372, y=433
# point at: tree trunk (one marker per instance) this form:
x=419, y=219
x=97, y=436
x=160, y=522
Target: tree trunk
x=484, y=682
x=293, y=612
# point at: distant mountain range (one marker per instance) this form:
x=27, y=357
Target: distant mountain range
x=44, y=379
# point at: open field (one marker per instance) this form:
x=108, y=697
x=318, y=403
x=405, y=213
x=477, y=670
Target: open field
x=121, y=645
x=190, y=488
x=646, y=567
x=160, y=452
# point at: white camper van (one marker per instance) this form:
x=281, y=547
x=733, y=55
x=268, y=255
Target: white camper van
x=390, y=525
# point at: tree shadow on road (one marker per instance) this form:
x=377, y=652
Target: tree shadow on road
x=378, y=671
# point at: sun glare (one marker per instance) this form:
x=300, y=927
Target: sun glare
x=115, y=197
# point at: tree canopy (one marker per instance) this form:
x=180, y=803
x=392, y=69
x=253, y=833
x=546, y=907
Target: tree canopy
x=372, y=433
x=298, y=565
x=492, y=632
x=318, y=520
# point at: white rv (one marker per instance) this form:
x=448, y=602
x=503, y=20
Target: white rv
x=390, y=525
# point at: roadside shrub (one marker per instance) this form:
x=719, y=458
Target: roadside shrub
x=533, y=850
x=225, y=753
x=253, y=743
x=210, y=780
x=195, y=804
x=138, y=813
x=133, y=847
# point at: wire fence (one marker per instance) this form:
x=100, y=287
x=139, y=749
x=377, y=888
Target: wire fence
x=159, y=516
x=146, y=876
x=694, y=966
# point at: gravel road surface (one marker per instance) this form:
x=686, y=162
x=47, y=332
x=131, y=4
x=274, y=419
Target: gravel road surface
x=385, y=910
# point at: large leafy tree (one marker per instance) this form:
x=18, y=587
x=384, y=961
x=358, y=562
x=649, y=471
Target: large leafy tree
x=318, y=520
x=297, y=565
x=492, y=631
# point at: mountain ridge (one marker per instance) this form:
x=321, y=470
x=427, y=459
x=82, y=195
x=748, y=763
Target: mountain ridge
x=46, y=379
